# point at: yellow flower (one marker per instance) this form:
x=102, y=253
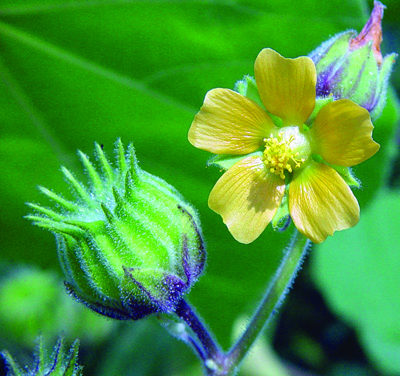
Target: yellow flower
x=249, y=194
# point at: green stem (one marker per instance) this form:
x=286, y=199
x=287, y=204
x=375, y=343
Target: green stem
x=274, y=297
x=217, y=363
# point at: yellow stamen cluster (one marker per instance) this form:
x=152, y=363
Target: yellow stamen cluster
x=278, y=156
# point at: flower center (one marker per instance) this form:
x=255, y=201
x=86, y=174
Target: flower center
x=286, y=151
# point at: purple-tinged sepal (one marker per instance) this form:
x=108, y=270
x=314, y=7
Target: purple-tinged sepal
x=351, y=66
x=129, y=244
x=61, y=363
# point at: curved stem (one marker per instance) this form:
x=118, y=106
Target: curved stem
x=211, y=349
x=216, y=362
x=274, y=297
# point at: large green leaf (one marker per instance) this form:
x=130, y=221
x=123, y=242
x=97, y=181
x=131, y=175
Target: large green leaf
x=75, y=72
x=359, y=273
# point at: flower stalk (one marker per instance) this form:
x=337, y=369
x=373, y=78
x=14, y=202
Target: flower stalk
x=217, y=363
x=273, y=298
x=209, y=351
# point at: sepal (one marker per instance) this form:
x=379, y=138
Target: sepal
x=225, y=161
x=247, y=87
x=281, y=219
x=345, y=172
x=59, y=364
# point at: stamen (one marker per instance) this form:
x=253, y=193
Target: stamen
x=278, y=156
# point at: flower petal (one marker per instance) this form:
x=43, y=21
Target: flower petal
x=320, y=202
x=247, y=197
x=286, y=86
x=229, y=123
x=342, y=134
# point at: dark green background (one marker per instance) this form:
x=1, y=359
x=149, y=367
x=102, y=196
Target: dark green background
x=79, y=71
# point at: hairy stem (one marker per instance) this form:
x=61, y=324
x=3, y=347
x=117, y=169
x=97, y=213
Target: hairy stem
x=216, y=362
x=274, y=297
x=212, y=353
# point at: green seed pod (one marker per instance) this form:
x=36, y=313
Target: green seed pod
x=129, y=245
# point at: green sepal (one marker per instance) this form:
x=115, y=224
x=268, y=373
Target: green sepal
x=382, y=84
x=348, y=176
x=13, y=369
x=333, y=52
x=319, y=103
x=281, y=217
x=59, y=364
x=248, y=88
x=345, y=172
x=226, y=161
x=142, y=281
x=73, y=369
x=156, y=290
x=139, y=281
x=364, y=81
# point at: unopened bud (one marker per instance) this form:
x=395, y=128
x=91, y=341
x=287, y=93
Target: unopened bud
x=351, y=66
x=60, y=363
x=129, y=244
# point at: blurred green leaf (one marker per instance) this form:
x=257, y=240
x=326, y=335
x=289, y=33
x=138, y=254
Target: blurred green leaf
x=34, y=301
x=78, y=71
x=134, y=352
x=359, y=273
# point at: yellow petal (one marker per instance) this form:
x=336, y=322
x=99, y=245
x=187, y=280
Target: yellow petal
x=229, y=123
x=342, y=134
x=320, y=202
x=247, y=197
x=286, y=86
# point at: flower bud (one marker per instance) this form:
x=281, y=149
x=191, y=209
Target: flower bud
x=129, y=244
x=60, y=364
x=352, y=67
